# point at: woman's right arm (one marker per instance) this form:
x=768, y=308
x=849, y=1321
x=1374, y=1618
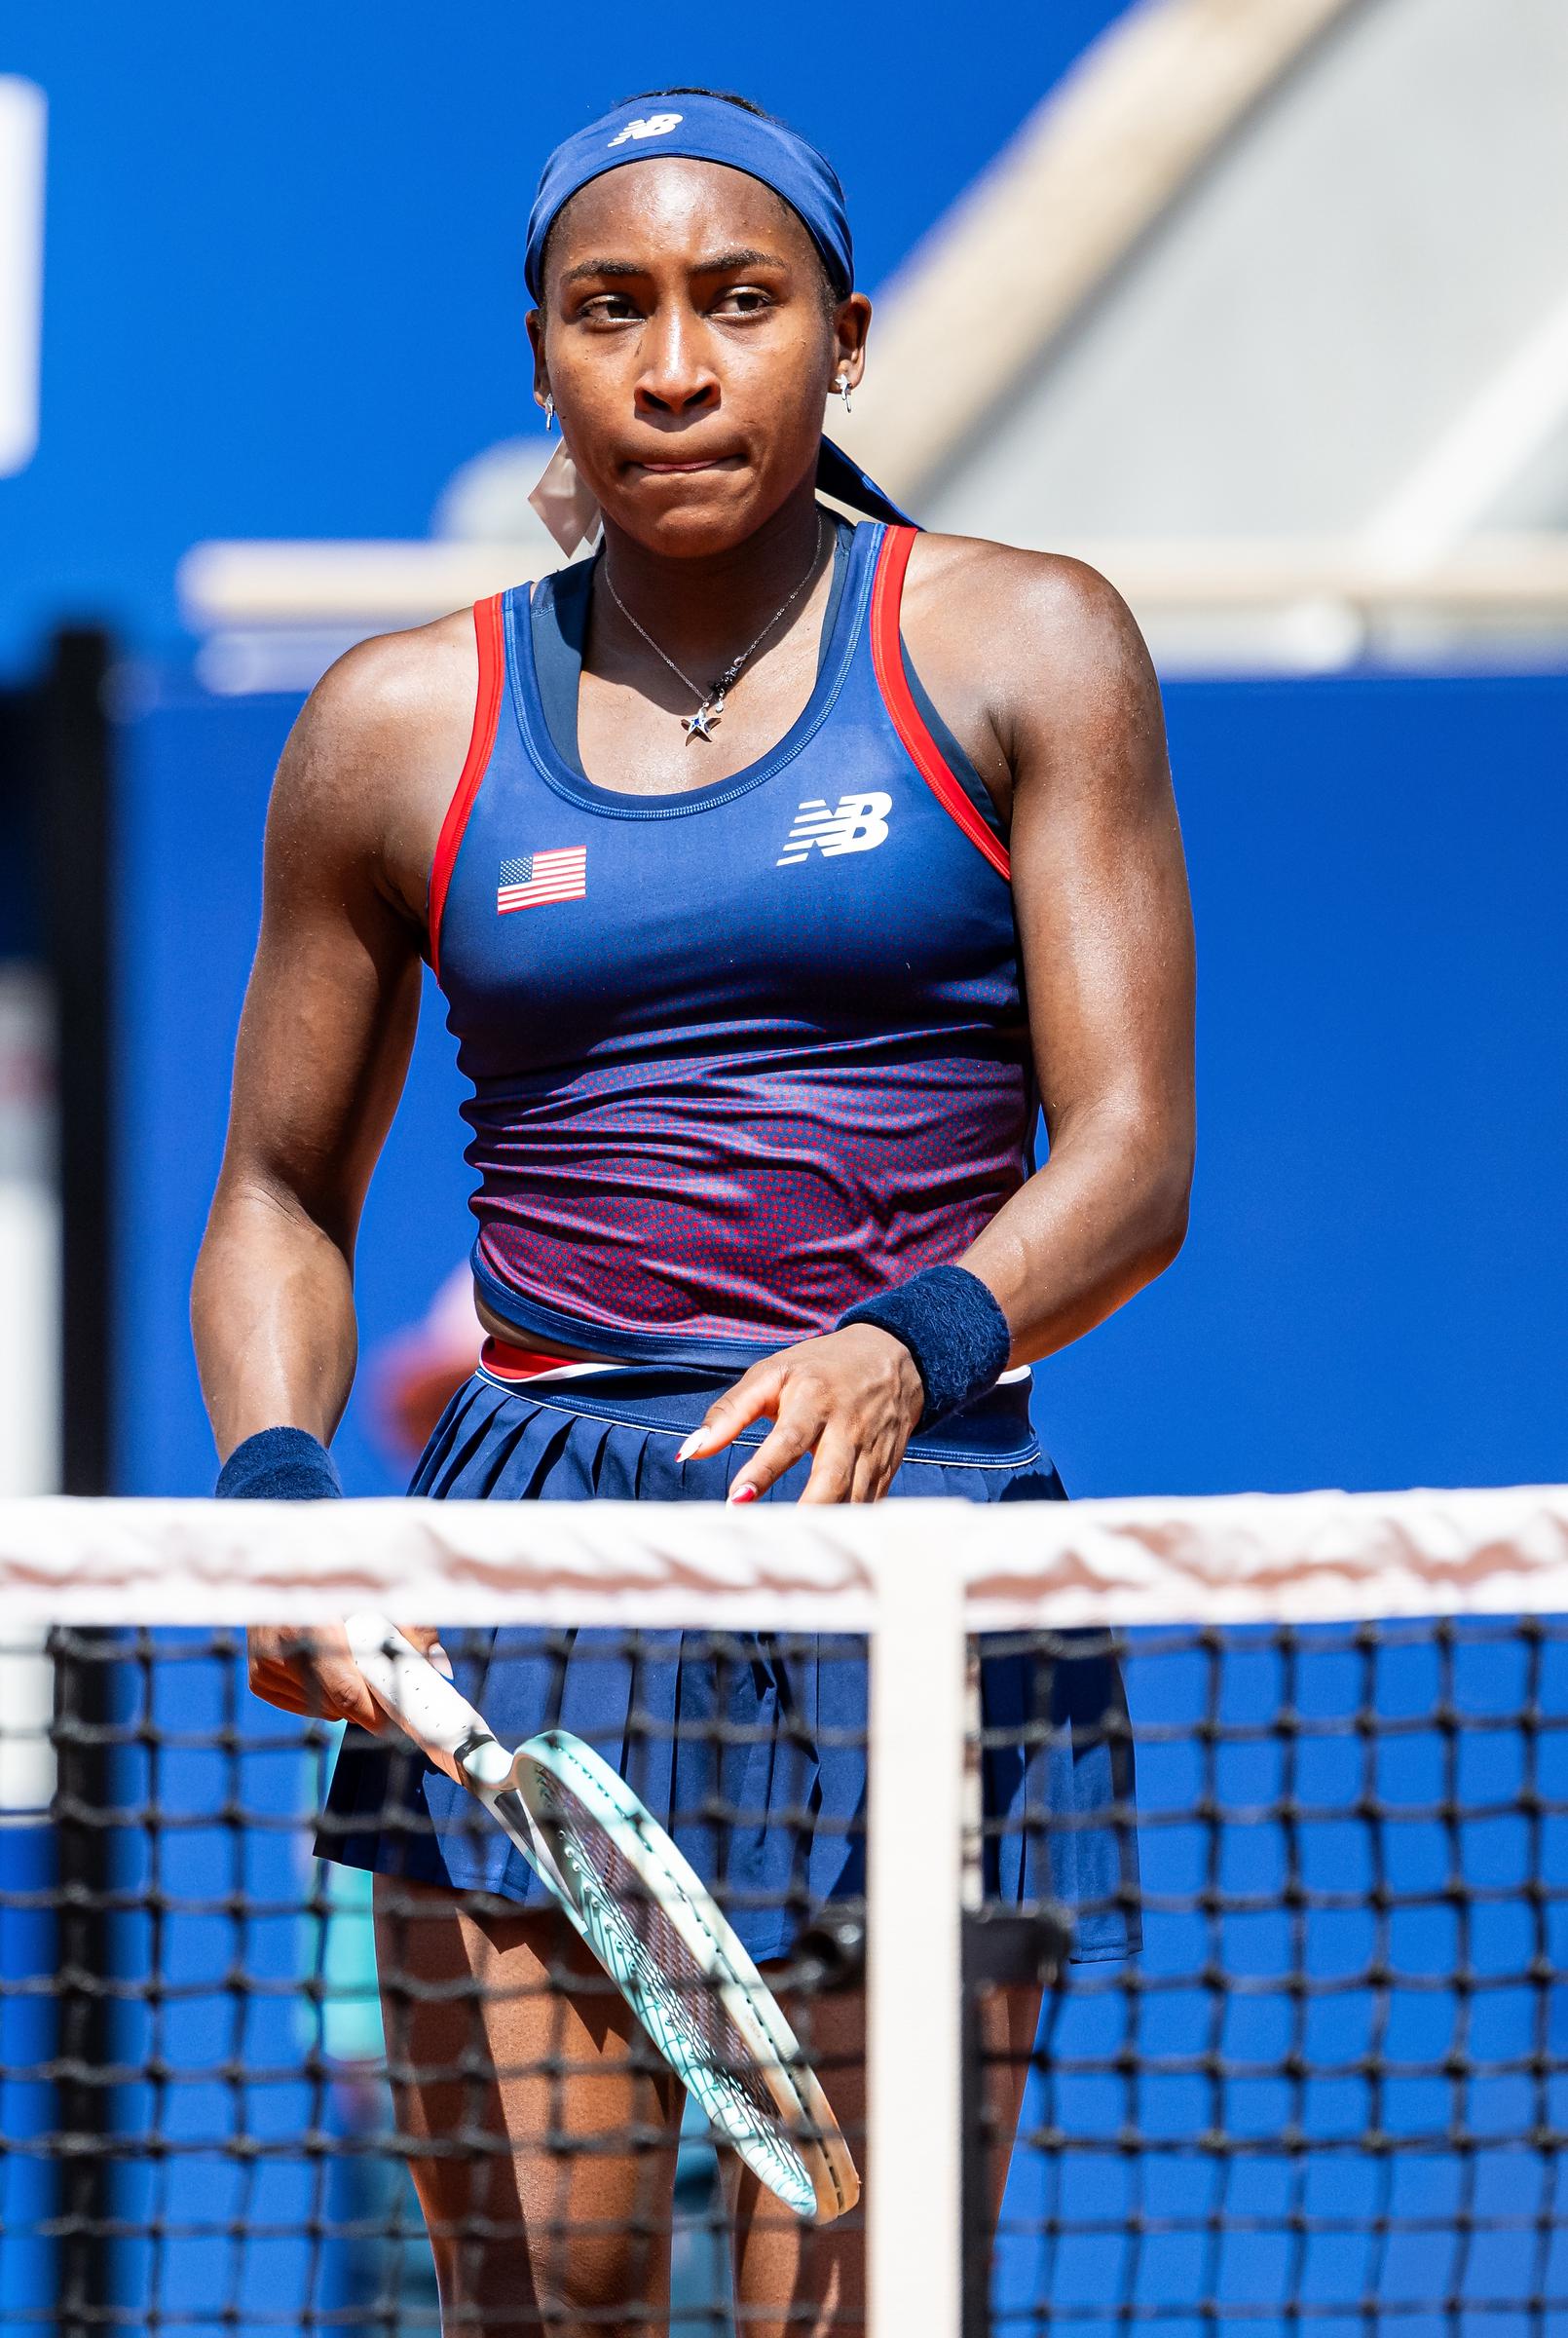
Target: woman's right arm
x=324, y=1040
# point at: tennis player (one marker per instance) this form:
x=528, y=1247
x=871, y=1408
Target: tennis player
x=776, y=867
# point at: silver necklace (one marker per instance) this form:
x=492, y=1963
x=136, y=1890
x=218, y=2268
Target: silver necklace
x=700, y=725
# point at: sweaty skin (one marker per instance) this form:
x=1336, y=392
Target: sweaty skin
x=690, y=351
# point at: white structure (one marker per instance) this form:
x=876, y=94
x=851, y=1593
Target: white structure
x=1287, y=277
x=1359, y=286
x=21, y=266
x=29, y=1358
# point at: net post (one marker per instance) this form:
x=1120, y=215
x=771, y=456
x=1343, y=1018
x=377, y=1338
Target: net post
x=76, y=831
x=914, y=1901
x=74, y=811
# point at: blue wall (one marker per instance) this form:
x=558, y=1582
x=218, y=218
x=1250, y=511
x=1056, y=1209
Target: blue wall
x=1376, y=1282
x=1376, y=1279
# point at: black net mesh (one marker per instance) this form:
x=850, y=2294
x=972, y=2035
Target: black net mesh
x=1327, y=2095
x=1330, y=2093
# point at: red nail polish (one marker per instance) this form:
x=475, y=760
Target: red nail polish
x=743, y=1493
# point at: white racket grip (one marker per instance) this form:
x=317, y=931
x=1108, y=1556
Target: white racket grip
x=408, y=1687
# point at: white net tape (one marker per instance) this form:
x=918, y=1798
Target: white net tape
x=1233, y=1559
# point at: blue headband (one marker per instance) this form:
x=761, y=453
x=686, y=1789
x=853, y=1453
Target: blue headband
x=700, y=130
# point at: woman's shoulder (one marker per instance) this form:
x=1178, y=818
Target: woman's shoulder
x=371, y=696
x=1006, y=613
x=376, y=749
x=1005, y=580
x=391, y=702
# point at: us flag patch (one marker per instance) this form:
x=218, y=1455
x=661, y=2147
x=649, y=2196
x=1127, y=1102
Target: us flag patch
x=539, y=877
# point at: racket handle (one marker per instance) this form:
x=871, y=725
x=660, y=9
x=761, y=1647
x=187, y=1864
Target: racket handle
x=424, y=1705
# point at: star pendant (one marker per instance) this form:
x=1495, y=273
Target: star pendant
x=700, y=725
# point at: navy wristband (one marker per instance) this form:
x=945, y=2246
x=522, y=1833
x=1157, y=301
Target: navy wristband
x=280, y=1465
x=952, y=1328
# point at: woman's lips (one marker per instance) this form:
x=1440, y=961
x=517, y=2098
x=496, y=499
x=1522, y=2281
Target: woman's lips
x=672, y=470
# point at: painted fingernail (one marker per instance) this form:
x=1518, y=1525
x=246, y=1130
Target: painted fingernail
x=441, y=1660
x=691, y=1443
x=742, y=1494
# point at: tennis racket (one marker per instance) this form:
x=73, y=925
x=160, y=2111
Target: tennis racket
x=647, y=1917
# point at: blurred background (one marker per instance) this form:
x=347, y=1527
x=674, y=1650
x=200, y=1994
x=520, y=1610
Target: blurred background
x=1260, y=305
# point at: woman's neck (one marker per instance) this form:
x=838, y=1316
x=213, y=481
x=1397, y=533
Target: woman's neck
x=703, y=610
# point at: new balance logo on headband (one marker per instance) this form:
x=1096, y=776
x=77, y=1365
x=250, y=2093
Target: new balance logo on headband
x=657, y=126
x=859, y=823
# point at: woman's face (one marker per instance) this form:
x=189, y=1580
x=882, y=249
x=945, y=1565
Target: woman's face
x=685, y=335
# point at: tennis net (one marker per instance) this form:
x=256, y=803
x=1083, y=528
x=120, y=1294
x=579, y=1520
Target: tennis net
x=1328, y=2094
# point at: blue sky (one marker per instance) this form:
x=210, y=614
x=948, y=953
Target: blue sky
x=283, y=282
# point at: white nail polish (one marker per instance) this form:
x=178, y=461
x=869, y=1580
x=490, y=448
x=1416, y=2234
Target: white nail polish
x=689, y=1448
x=441, y=1660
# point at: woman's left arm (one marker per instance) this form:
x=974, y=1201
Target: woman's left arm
x=1104, y=924
x=1105, y=931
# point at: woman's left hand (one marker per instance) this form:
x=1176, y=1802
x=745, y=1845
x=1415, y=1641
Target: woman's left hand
x=850, y=1399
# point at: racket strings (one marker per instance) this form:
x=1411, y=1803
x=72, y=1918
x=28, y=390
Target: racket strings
x=658, y=1957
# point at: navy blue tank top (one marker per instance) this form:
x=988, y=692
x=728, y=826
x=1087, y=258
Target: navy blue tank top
x=741, y=1055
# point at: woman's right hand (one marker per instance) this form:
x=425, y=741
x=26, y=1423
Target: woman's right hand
x=307, y=1668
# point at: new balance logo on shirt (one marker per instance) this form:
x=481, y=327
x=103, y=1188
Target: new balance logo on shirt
x=858, y=824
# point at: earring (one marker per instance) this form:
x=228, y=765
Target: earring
x=842, y=385
x=549, y=413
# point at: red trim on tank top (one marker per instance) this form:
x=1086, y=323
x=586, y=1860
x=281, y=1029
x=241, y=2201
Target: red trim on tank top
x=490, y=639
x=887, y=659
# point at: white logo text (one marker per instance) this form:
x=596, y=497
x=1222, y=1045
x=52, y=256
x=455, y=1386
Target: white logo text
x=858, y=824
x=655, y=125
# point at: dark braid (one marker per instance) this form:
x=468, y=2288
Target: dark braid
x=691, y=89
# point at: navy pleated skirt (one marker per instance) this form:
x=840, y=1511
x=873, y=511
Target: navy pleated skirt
x=750, y=1747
